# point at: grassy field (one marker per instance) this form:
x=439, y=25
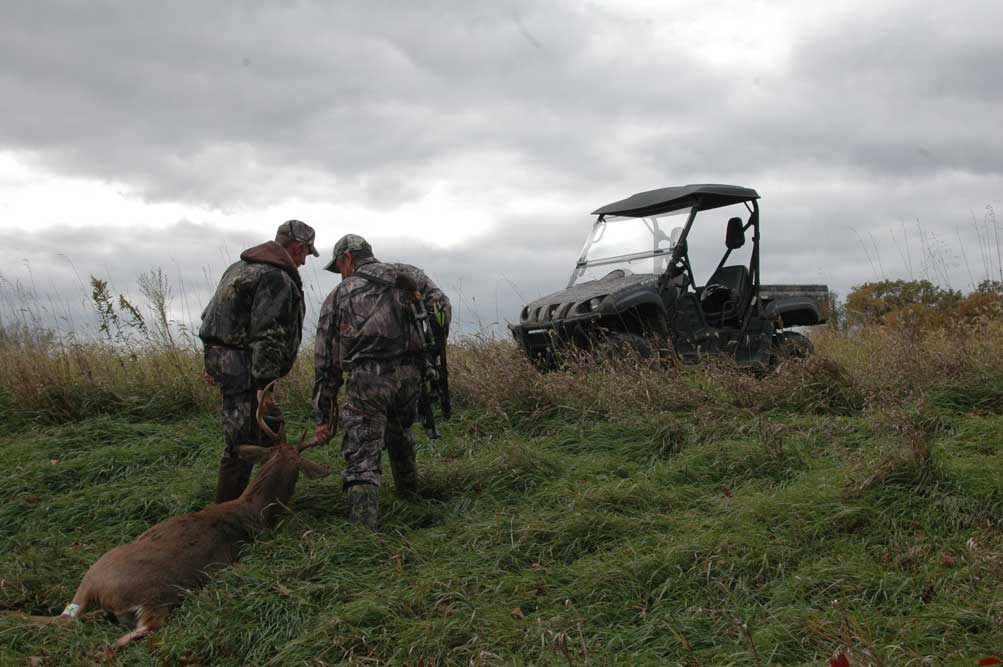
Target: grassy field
x=597, y=516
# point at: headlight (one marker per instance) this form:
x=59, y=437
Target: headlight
x=590, y=305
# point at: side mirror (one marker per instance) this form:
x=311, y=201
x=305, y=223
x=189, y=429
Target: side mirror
x=735, y=236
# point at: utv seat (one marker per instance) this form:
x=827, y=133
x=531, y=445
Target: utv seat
x=726, y=296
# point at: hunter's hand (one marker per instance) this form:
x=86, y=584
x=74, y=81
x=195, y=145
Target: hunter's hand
x=323, y=434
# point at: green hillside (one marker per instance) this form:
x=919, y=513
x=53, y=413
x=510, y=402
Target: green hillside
x=604, y=515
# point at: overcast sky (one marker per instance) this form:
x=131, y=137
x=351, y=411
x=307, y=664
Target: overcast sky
x=474, y=138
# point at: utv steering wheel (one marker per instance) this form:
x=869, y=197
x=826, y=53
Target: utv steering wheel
x=678, y=266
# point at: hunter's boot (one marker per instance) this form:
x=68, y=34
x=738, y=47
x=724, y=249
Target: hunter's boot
x=232, y=478
x=364, y=505
x=404, y=467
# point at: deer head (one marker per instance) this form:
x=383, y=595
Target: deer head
x=281, y=464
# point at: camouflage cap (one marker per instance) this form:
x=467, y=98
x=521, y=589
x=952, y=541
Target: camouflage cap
x=297, y=230
x=348, y=243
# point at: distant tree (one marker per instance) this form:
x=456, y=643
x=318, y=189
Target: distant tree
x=994, y=287
x=985, y=303
x=902, y=303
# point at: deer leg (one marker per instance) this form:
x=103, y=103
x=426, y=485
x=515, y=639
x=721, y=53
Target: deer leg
x=37, y=620
x=70, y=614
x=150, y=619
x=138, y=633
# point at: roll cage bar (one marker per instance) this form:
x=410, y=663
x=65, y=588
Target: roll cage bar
x=680, y=253
x=752, y=205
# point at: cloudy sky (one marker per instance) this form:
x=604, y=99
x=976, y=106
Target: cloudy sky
x=473, y=138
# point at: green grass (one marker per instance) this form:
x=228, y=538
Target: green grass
x=714, y=535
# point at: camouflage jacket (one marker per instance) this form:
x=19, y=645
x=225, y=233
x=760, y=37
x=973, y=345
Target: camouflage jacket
x=365, y=318
x=258, y=307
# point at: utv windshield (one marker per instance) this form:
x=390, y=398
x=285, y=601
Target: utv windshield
x=628, y=245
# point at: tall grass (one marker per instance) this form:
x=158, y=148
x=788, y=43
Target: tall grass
x=50, y=381
x=870, y=369
x=137, y=361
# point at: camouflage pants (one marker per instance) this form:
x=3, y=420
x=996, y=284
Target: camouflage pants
x=230, y=370
x=381, y=403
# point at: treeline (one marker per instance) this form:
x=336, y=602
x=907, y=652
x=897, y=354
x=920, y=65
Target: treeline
x=917, y=305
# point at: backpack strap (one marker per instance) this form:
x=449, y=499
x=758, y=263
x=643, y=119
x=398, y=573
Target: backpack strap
x=403, y=282
x=373, y=279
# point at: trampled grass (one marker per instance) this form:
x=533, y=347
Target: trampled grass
x=602, y=515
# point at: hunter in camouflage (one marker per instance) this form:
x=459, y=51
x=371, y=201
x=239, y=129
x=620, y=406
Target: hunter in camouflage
x=364, y=328
x=251, y=330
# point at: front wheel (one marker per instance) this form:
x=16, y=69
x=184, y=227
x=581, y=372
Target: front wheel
x=618, y=345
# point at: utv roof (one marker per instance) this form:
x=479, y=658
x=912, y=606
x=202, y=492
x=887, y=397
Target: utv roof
x=704, y=196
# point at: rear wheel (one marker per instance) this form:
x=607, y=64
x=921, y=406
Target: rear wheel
x=791, y=345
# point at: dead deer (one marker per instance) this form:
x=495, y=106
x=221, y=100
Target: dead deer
x=141, y=583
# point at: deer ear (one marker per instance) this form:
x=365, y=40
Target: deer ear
x=254, y=453
x=313, y=470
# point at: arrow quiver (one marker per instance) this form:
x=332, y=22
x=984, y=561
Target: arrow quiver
x=431, y=330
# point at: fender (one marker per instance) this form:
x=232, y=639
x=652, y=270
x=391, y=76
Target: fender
x=641, y=298
x=794, y=311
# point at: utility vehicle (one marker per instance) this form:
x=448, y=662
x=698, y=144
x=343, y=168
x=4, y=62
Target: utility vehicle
x=637, y=285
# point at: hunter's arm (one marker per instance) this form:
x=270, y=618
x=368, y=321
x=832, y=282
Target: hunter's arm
x=270, y=329
x=327, y=362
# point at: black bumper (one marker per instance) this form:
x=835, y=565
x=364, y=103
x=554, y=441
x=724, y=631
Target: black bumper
x=541, y=340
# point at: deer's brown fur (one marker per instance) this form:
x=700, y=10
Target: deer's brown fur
x=141, y=582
